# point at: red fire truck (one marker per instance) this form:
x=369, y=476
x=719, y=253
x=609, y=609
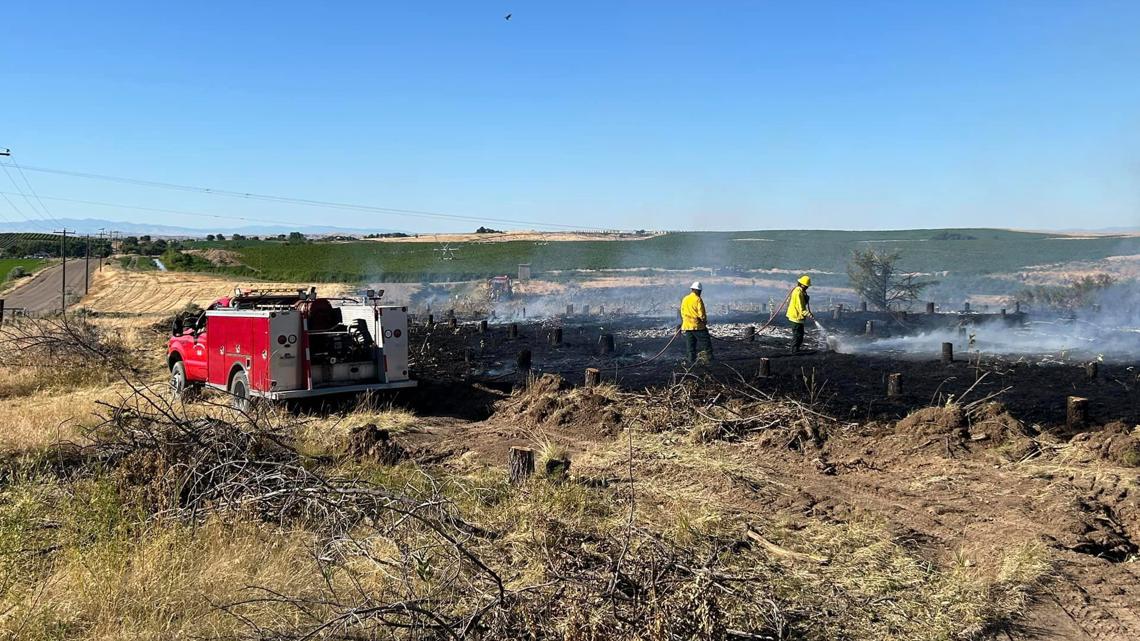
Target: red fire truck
x=282, y=345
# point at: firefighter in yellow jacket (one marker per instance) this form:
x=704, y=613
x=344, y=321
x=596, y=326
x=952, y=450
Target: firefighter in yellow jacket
x=695, y=325
x=799, y=308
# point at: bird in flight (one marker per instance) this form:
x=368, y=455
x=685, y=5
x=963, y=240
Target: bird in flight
x=508, y=16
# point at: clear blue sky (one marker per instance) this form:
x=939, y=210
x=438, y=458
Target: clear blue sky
x=664, y=115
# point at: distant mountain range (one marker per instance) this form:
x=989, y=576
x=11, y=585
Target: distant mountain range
x=93, y=225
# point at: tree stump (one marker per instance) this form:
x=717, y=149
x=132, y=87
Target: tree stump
x=1091, y=370
x=593, y=377
x=966, y=307
x=569, y=310
x=606, y=344
x=556, y=336
x=750, y=333
x=520, y=464
x=513, y=331
x=894, y=385
x=948, y=352
x=870, y=328
x=558, y=468
x=836, y=313
x=522, y=361
x=765, y=368
x=863, y=306
x=1077, y=412
x=453, y=322
x=585, y=310
x=431, y=321
x=930, y=308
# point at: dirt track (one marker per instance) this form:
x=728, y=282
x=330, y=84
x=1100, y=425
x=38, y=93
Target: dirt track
x=957, y=494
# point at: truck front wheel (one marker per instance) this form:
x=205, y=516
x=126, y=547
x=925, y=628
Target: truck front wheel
x=178, y=382
x=239, y=391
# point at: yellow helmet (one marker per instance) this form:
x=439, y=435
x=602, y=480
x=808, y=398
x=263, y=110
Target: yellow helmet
x=805, y=280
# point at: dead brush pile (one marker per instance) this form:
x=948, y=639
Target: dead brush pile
x=61, y=351
x=705, y=409
x=962, y=426
x=1117, y=443
x=428, y=559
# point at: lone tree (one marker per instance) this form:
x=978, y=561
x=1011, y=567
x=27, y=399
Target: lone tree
x=876, y=277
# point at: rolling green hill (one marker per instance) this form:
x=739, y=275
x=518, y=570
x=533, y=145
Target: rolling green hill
x=970, y=254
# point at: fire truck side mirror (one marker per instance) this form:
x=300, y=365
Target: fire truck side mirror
x=176, y=326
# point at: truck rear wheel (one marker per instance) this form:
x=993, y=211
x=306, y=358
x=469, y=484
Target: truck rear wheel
x=239, y=391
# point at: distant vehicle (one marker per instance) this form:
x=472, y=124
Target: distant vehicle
x=499, y=288
x=282, y=345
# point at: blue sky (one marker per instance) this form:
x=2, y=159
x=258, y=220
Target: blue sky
x=662, y=115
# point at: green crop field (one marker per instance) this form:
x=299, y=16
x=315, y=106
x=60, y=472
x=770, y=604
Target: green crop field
x=968, y=254
x=30, y=265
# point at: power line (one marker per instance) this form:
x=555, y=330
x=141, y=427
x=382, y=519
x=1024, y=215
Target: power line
x=33, y=190
x=297, y=201
x=169, y=211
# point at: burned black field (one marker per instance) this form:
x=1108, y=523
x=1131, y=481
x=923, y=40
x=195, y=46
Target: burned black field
x=850, y=386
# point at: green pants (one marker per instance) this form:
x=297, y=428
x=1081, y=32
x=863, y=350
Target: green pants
x=797, y=336
x=698, y=340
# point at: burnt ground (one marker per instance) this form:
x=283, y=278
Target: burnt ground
x=849, y=386
x=949, y=486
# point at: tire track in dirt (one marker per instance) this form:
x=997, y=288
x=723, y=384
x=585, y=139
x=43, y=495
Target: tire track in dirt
x=974, y=507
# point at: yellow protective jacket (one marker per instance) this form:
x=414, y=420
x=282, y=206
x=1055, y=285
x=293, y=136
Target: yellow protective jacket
x=798, y=305
x=693, y=313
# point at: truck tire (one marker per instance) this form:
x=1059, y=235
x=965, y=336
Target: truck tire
x=178, y=385
x=239, y=392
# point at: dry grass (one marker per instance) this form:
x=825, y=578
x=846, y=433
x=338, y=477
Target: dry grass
x=84, y=556
x=115, y=290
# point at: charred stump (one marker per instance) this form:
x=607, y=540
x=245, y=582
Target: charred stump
x=606, y=344
x=557, y=468
x=593, y=377
x=894, y=385
x=765, y=368
x=522, y=361
x=370, y=442
x=948, y=352
x=1077, y=412
x=556, y=336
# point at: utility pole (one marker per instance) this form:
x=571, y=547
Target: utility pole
x=87, y=266
x=63, y=276
x=101, y=258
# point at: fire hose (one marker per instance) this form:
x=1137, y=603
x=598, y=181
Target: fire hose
x=766, y=325
x=771, y=319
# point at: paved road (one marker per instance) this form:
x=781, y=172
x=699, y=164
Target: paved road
x=41, y=294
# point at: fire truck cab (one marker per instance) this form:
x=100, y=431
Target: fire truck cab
x=282, y=345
